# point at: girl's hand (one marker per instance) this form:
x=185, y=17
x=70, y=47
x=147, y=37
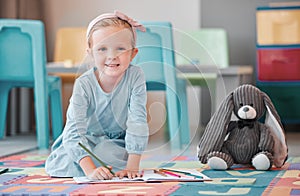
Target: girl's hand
x=100, y=173
x=132, y=167
x=128, y=173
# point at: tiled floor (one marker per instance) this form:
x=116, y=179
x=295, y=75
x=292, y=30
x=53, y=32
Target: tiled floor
x=157, y=144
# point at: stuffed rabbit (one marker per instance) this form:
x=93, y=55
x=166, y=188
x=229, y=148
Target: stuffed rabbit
x=247, y=140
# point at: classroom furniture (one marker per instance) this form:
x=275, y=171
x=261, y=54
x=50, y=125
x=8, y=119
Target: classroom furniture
x=156, y=58
x=278, y=58
x=70, y=45
x=204, y=46
x=23, y=64
x=227, y=79
x=70, y=49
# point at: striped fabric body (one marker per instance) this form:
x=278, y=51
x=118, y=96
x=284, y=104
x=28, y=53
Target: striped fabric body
x=242, y=144
x=243, y=139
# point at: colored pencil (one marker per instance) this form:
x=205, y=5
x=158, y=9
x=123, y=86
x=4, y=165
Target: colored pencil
x=159, y=172
x=93, y=155
x=184, y=172
x=170, y=173
x=3, y=170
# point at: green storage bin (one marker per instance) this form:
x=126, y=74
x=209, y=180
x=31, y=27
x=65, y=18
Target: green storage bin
x=286, y=99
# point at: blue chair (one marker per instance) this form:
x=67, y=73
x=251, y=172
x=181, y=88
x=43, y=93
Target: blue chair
x=156, y=57
x=23, y=64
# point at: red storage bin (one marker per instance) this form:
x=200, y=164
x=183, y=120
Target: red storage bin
x=278, y=64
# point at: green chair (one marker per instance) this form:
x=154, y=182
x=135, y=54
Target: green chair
x=203, y=47
x=156, y=57
x=206, y=46
x=23, y=64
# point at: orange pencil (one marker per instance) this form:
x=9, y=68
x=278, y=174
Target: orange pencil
x=159, y=172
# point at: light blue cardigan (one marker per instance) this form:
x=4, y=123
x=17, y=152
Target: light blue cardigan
x=109, y=124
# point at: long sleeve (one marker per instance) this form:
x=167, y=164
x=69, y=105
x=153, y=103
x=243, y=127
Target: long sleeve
x=93, y=113
x=137, y=128
x=96, y=118
x=77, y=123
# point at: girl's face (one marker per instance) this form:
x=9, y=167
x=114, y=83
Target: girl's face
x=112, y=50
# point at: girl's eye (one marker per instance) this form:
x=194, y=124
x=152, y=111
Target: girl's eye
x=121, y=48
x=102, y=49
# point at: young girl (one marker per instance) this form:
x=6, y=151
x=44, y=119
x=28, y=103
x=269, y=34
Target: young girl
x=107, y=110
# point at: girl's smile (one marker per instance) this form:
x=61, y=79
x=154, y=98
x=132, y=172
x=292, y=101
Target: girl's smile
x=112, y=65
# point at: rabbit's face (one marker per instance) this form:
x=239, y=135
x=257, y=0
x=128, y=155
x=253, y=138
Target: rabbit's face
x=246, y=112
x=248, y=103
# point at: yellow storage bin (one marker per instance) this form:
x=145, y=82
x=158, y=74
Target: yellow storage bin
x=278, y=26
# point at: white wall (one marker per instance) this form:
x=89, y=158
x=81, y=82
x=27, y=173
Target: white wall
x=58, y=13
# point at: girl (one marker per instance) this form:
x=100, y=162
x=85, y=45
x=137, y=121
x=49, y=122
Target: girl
x=107, y=110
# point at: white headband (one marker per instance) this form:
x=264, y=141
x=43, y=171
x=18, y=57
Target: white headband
x=134, y=24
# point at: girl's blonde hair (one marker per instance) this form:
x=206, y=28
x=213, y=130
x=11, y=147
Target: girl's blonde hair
x=111, y=22
x=116, y=19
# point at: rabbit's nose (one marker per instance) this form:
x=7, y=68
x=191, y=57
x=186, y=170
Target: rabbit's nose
x=245, y=109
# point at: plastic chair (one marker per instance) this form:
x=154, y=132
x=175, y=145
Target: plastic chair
x=23, y=64
x=205, y=46
x=70, y=45
x=156, y=57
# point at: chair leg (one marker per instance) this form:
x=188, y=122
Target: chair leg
x=42, y=117
x=173, y=111
x=184, y=114
x=4, y=93
x=56, y=113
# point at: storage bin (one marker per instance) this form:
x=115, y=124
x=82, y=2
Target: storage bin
x=285, y=98
x=278, y=26
x=278, y=64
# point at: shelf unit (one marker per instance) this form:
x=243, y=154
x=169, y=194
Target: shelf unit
x=278, y=58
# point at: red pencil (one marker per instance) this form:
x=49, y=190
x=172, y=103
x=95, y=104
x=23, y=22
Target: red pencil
x=170, y=173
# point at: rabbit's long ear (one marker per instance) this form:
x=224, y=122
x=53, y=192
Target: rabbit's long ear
x=216, y=130
x=274, y=122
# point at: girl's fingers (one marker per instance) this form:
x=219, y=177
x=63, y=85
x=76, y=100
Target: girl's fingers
x=121, y=175
x=101, y=173
x=132, y=174
x=105, y=173
x=129, y=175
x=137, y=174
x=99, y=176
